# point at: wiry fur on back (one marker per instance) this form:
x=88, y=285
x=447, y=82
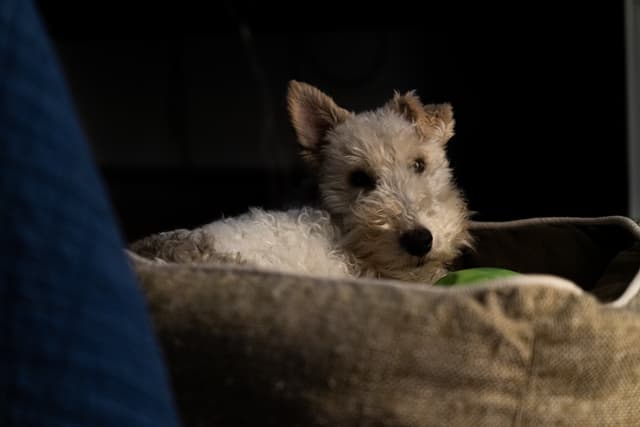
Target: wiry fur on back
x=381, y=174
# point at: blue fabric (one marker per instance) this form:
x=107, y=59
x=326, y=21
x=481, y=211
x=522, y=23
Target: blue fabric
x=76, y=343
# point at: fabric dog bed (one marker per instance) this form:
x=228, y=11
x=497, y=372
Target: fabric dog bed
x=557, y=345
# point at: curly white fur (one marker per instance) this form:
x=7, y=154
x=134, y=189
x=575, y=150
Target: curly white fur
x=296, y=241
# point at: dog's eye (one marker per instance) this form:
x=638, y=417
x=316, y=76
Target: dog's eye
x=360, y=179
x=418, y=166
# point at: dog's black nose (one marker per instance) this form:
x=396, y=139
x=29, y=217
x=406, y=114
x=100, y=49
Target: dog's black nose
x=416, y=242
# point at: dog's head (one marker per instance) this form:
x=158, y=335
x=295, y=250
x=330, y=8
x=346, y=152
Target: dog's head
x=384, y=177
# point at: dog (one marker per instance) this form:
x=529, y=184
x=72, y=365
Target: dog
x=389, y=205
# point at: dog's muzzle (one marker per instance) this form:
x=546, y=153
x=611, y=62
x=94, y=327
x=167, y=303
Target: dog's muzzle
x=416, y=242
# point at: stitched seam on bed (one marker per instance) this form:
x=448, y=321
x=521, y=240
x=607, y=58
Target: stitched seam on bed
x=517, y=421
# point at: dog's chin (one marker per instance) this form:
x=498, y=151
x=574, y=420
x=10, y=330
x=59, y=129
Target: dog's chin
x=424, y=270
x=410, y=269
x=415, y=264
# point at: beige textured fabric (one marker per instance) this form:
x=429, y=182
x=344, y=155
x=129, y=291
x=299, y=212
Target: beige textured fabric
x=252, y=348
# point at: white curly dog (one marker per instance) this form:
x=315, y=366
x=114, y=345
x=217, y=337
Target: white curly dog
x=390, y=208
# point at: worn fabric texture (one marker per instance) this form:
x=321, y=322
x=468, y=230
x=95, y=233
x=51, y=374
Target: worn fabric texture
x=248, y=347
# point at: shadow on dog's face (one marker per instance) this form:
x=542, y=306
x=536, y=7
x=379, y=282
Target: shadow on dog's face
x=384, y=177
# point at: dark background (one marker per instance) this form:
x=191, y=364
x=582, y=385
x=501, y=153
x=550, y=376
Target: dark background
x=184, y=106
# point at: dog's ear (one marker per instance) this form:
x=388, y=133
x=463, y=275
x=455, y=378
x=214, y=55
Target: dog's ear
x=432, y=120
x=313, y=114
x=441, y=118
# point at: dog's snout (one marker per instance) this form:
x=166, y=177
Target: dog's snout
x=417, y=242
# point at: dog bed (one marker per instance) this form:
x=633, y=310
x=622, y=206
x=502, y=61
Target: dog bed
x=557, y=345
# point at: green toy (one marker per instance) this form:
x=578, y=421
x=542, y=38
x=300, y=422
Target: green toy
x=472, y=276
